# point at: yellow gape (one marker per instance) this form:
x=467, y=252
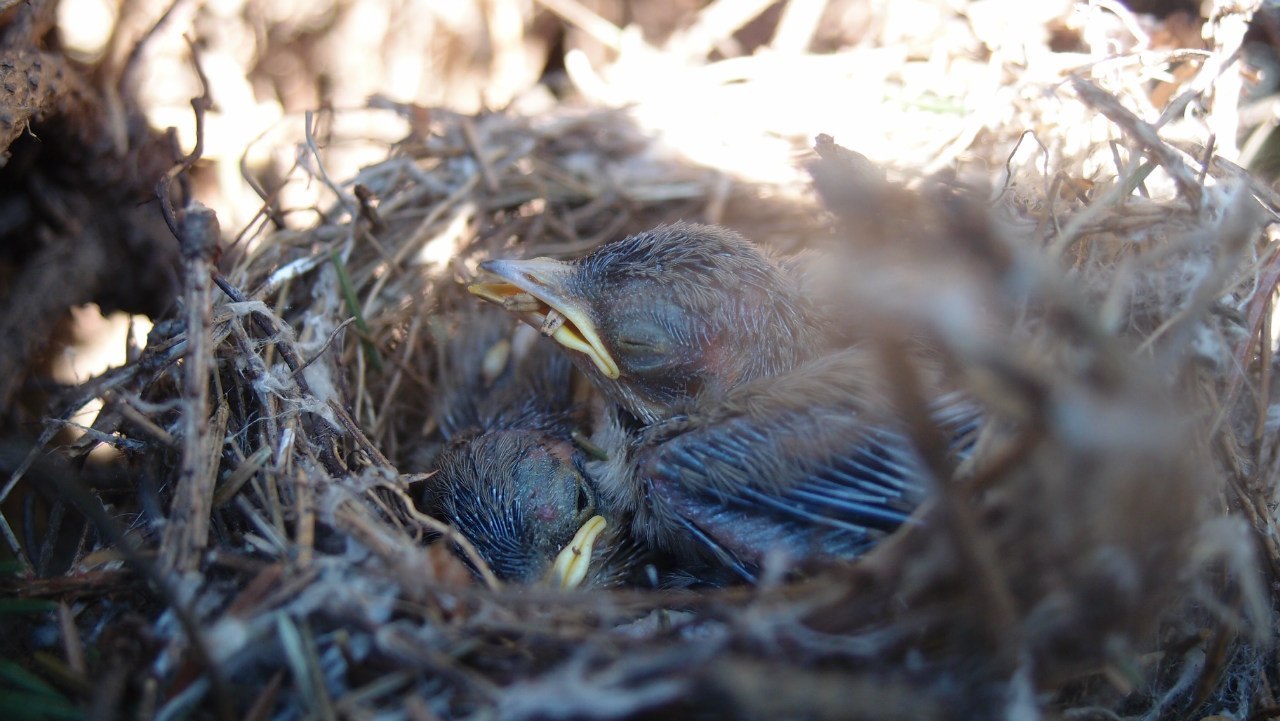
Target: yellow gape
x=572, y=563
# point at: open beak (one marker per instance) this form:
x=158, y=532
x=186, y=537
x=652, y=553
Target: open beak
x=573, y=562
x=535, y=291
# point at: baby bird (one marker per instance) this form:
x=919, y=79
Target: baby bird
x=510, y=478
x=755, y=435
x=662, y=319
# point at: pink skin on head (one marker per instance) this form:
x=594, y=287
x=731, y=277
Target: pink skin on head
x=546, y=513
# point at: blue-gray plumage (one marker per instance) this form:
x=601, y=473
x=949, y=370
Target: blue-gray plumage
x=746, y=430
x=770, y=469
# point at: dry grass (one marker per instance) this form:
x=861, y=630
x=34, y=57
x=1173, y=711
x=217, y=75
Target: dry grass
x=1067, y=229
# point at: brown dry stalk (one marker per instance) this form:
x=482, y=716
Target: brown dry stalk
x=188, y=529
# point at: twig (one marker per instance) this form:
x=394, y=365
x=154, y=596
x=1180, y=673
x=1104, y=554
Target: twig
x=349, y=425
x=15, y=546
x=478, y=152
x=123, y=403
x=199, y=105
x=304, y=512
x=310, y=132
x=325, y=346
x=451, y=534
x=247, y=468
x=401, y=365
x=1145, y=134
x=368, y=210
x=254, y=369
x=188, y=530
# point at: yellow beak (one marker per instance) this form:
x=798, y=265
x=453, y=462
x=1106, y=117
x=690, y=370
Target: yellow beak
x=573, y=562
x=535, y=291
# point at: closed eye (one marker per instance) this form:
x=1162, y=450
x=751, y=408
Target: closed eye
x=643, y=342
x=636, y=345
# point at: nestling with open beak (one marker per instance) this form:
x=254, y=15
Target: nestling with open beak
x=662, y=319
x=757, y=436
x=510, y=478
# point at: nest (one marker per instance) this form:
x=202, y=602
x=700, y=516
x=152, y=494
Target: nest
x=1100, y=554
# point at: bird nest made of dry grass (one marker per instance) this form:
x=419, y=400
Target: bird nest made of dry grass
x=1101, y=554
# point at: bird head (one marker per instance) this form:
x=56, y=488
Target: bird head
x=662, y=317
x=522, y=499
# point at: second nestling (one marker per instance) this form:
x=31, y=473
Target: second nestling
x=509, y=477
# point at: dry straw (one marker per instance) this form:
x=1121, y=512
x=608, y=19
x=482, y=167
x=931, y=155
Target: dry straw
x=1097, y=271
